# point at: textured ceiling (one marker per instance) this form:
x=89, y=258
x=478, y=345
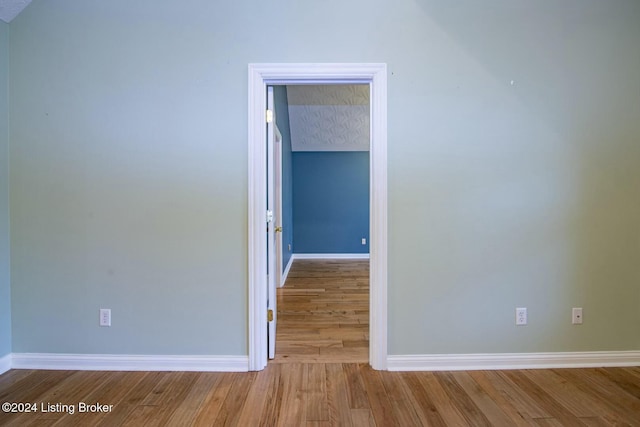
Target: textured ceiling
x=9, y=9
x=329, y=117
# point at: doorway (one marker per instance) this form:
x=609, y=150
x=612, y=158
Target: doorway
x=323, y=311
x=261, y=75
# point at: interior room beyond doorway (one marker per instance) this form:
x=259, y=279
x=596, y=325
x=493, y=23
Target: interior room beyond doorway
x=323, y=310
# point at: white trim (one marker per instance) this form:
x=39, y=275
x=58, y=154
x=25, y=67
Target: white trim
x=378, y=222
x=117, y=362
x=285, y=274
x=5, y=363
x=259, y=75
x=330, y=256
x=438, y=362
x=257, y=267
x=469, y=362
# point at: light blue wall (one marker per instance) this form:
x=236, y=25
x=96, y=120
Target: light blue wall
x=331, y=202
x=5, y=291
x=282, y=120
x=128, y=169
x=129, y=177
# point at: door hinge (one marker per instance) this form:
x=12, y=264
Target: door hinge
x=269, y=216
x=270, y=315
x=269, y=116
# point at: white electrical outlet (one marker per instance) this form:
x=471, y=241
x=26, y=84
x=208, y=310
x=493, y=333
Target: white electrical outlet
x=289, y=247
x=521, y=316
x=105, y=317
x=364, y=241
x=576, y=315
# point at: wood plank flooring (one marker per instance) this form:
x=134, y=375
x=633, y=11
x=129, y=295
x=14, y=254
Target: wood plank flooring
x=323, y=313
x=320, y=378
x=328, y=394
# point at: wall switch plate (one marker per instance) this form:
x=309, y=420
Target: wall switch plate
x=289, y=247
x=105, y=317
x=521, y=316
x=576, y=315
x=364, y=240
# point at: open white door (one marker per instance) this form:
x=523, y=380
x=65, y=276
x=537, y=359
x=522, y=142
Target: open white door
x=271, y=226
x=277, y=171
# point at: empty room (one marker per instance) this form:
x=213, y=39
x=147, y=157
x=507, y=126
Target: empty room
x=489, y=273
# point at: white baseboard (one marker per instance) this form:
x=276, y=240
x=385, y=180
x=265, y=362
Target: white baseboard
x=436, y=362
x=330, y=256
x=470, y=362
x=5, y=363
x=116, y=362
x=285, y=273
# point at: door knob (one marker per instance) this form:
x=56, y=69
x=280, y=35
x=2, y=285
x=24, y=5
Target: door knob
x=278, y=229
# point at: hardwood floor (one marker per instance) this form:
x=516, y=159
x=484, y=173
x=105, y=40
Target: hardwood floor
x=331, y=394
x=323, y=313
x=320, y=378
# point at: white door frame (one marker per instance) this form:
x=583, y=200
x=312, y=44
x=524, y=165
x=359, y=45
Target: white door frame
x=261, y=75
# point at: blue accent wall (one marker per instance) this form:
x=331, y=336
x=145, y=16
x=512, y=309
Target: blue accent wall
x=282, y=120
x=331, y=202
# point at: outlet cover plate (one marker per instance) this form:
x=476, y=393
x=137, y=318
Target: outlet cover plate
x=105, y=317
x=576, y=315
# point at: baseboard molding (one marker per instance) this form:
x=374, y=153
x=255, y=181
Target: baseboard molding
x=470, y=362
x=285, y=273
x=116, y=362
x=436, y=362
x=5, y=363
x=330, y=256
